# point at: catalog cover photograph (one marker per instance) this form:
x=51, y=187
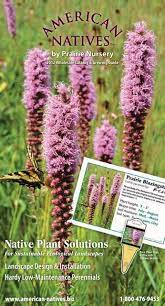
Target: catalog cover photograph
x=82, y=167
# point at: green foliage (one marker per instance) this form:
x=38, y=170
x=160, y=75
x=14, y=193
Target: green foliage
x=82, y=208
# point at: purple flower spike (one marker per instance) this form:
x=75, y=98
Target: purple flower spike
x=137, y=90
x=81, y=79
x=36, y=92
x=61, y=152
x=102, y=186
x=104, y=201
x=10, y=16
x=136, y=235
x=139, y=64
x=105, y=142
x=115, y=189
x=93, y=201
x=116, y=185
x=60, y=137
x=37, y=79
x=91, y=183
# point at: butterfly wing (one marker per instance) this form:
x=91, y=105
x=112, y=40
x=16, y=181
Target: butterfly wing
x=35, y=165
x=32, y=159
x=28, y=178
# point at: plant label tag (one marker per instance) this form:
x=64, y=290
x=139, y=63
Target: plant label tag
x=131, y=242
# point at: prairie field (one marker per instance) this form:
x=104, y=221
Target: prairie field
x=101, y=212
x=28, y=217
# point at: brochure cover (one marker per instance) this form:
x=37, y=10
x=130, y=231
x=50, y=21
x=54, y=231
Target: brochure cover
x=82, y=187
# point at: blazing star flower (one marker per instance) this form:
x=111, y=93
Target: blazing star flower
x=105, y=142
x=116, y=185
x=10, y=16
x=102, y=186
x=91, y=183
x=104, y=201
x=137, y=90
x=93, y=201
x=36, y=92
x=60, y=136
x=37, y=79
x=80, y=73
x=136, y=235
x=61, y=153
x=115, y=189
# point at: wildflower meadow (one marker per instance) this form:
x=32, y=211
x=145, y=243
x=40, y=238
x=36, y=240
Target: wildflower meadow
x=51, y=116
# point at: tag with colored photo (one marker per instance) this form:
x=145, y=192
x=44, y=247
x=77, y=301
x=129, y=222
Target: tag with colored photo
x=131, y=242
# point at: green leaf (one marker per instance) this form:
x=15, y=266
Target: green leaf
x=149, y=273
